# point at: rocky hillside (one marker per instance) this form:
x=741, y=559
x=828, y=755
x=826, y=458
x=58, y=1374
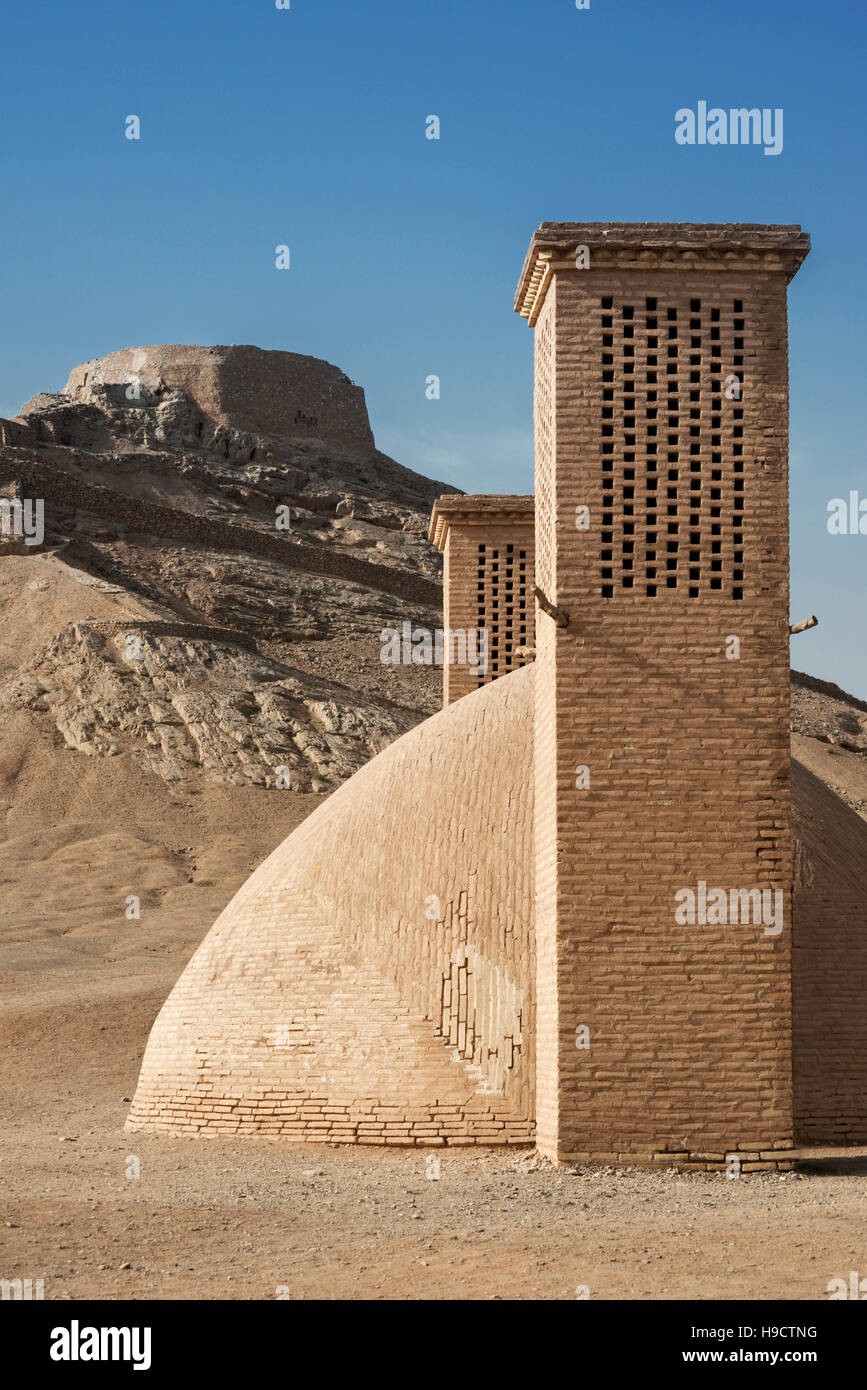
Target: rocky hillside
x=223, y=545
x=829, y=736
x=236, y=543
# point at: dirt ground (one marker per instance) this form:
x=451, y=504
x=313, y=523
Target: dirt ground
x=262, y=1219
x=80, y=985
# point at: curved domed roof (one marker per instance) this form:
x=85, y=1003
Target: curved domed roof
x=372, y=978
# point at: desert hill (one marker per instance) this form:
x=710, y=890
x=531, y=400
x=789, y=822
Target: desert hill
x=257, y=645
x=152, y=776
x=166, y=619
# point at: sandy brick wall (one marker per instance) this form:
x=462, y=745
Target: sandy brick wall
x=689, y=1026
x=373, y=980
x=415, y=964
x=546, y=859
x=488, y=547
x=488, y=586
x=281, y=1026
x=829, y=967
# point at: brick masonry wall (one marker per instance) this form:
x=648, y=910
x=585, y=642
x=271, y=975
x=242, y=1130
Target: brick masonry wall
x=274, y=393
x=829, y=938
x=373, y=980
x=355, y=1062
x=829, y=967
x=689, y=1026
x=546, y=860
x=477, y=596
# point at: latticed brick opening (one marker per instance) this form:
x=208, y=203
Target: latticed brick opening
x=672, y=445
x=502, y=584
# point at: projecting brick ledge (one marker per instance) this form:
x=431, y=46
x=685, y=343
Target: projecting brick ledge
x=667, y=246
x=764, y=1161
x=287, y=1117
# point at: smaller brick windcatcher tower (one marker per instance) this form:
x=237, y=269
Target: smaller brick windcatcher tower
x=488, y=547
x=663, y=857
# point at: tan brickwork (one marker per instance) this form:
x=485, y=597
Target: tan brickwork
x=545, y=733
x=334, y=1022
x=829, y=967
x=686, y=751
x=373, y=979
x=488, y=550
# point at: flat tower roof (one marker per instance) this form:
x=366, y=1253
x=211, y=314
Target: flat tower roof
x=478, y=510
x=720, y=246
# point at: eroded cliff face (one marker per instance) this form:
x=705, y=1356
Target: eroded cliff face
x=251, y=544
x=182, y=702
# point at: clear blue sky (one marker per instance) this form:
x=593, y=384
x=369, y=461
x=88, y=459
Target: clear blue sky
x=306, y=127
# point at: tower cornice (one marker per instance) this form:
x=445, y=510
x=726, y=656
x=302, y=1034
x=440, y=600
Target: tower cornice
x=655, y=246
x=461, y=509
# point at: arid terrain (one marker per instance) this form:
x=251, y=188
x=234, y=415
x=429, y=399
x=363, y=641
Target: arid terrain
x=151, y=775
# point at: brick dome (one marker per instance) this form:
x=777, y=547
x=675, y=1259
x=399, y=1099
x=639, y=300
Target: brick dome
x=371, y=980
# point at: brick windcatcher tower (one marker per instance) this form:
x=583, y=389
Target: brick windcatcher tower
x=487, y=545
x=662, y=689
